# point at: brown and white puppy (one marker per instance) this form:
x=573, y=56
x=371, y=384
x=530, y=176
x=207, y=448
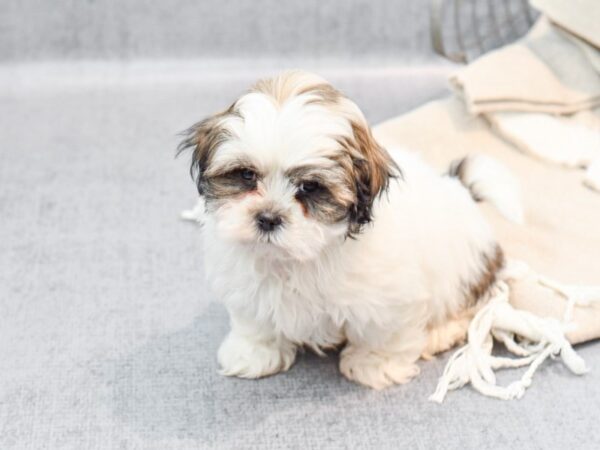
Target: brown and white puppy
x=315, y=235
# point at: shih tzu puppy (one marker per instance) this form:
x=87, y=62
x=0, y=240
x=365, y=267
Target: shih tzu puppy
x=316, y=236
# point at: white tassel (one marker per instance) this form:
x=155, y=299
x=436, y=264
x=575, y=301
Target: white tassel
x=540, y=338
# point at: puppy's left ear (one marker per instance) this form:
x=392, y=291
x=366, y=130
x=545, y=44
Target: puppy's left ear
x=373, y=169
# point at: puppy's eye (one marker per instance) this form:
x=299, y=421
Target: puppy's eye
x=248, y=174
x=308, y=187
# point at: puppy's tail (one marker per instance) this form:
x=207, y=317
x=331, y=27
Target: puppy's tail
x=489, y=180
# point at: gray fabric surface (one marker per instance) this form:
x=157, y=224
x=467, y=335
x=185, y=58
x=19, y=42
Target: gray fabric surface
x=107, y=334
x=108, y=337
x=34, y=29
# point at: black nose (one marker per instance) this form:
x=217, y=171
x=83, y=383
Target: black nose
x=268, y=222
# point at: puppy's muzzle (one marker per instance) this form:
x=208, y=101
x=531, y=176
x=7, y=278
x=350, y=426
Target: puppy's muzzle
x=268, y=222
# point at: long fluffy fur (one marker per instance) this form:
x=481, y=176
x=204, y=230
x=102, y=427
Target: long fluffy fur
x=421, y=257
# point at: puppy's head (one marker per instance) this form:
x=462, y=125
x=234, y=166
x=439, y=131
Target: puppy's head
x=291, y=166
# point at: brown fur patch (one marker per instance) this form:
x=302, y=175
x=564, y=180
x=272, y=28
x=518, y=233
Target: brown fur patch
x=324, y=94
x=492, y=263
x=293, y=83
x=370, y=168
x=227, y=185
x=380, y=164
x=331, y=201
x=204, y=138
x=458, y=169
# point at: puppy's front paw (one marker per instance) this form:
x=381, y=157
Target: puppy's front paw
x=375, y=370
x=240, y=356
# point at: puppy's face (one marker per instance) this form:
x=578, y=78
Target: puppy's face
x=290, y=167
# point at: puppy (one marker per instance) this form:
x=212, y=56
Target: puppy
x=315, y=235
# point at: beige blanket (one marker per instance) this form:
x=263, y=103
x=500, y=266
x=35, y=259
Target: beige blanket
x=579, y=17
x=550, y=70
x=561, y=237
x=541, y=96
x=542, y=93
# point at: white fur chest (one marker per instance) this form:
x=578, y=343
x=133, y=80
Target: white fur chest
x=291, y=298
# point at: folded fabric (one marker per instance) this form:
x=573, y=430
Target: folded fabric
x=546, y=71
x=571, y=141
x=579, y=17
x=542, y=94
x=559, y=240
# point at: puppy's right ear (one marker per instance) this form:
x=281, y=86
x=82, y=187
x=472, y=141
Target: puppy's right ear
x=203, y=138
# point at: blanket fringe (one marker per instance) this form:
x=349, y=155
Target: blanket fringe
x=531, y=338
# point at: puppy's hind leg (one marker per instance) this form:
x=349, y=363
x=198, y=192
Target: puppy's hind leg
x=445, y=336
